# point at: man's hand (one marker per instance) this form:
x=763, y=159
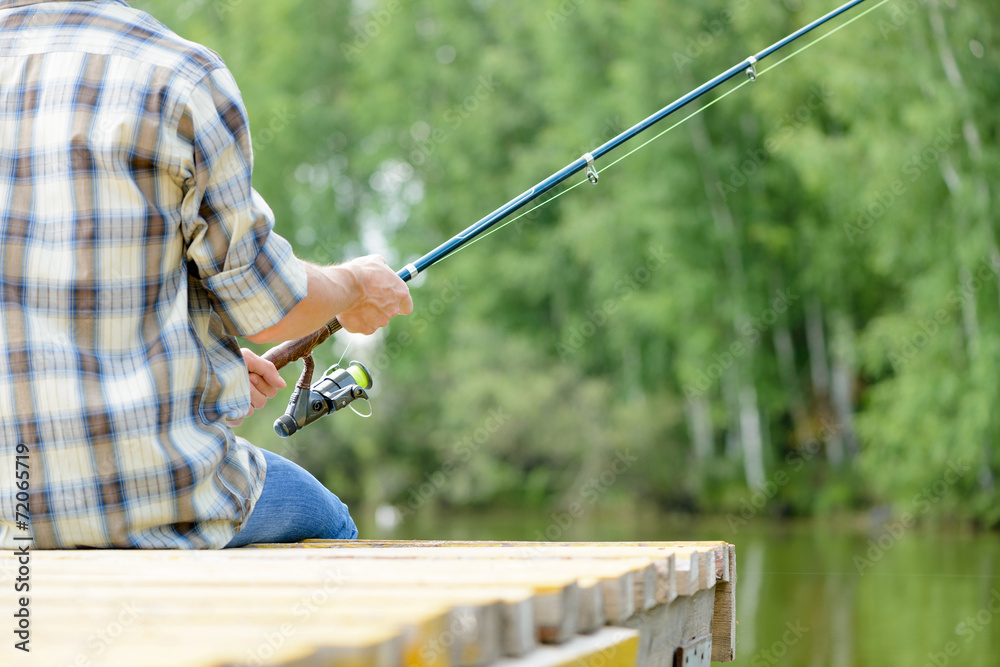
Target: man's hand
x=264, y=382
x=382, y=295
x=363, y=293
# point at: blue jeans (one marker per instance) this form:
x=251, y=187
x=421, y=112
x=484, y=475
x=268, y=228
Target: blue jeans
x=294, y=506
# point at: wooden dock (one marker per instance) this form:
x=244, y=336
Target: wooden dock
x=386, y=603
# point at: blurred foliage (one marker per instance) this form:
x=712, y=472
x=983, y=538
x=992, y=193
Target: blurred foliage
x=823, y=333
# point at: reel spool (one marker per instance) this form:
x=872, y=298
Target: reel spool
x=338, y=388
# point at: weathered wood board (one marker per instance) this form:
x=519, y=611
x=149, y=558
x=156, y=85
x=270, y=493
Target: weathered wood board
x=358, y=603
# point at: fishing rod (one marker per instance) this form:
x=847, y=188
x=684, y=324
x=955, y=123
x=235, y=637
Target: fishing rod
x=341, y=386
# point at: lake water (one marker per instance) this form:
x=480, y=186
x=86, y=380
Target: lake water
x=808, y=593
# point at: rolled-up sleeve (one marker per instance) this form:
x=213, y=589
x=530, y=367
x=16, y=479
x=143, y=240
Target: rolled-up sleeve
x=251, y=274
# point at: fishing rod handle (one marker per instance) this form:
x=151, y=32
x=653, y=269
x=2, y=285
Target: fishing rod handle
x=293, y=350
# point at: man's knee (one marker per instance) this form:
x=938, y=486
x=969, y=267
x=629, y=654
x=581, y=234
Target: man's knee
x=340, y=525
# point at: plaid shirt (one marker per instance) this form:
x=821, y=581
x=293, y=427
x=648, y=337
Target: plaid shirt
x=133, y=251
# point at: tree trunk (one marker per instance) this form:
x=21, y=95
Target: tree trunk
x=751, y=439
x=697, y=410
x=784, y=349
x=731, y=396
x=753, y=446
x=819, y=369
x=951, y=177
x=842, y=380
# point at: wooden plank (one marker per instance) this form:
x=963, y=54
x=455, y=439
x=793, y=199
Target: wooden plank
x=652, y=587
x=720, y=549
x=518, y=628
x=157, y=642
x=555, y=604
x=609, y=647
x=665, y=628
x=547, y=576
x=412, y=592
x=619, y=593
x=704, y=576
x=591, y=617
x=420, y=623
x=551, y=608
x=687, y=570
x=557, y=615
x=706, y=570
x=516, y=617
x=724, y=618
x=435, y=633
x=665, y=588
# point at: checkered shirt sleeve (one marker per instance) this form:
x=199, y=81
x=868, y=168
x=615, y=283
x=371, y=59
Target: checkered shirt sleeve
x=132, y=251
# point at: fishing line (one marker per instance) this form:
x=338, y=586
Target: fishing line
x=339, y=387
x=349, y=343
x=680, y=122
x=371, y=408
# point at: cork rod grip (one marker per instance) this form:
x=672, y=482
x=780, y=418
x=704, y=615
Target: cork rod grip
x=292, y=350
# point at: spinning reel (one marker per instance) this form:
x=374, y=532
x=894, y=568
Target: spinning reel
x=338, y=388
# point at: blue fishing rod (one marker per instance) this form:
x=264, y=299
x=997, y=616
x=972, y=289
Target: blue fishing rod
x=340, y=386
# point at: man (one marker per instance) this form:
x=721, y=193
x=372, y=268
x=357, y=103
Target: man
x=134, y=252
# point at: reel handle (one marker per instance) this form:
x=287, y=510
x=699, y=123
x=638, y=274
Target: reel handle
x=293, y=350
x=337, y=389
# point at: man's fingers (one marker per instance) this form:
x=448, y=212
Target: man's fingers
x=269, y=374
x=383, y=295
x=257, y=399
x=263, y=375
x=258, y=383
x=405, y=302
x=263, y=368
x=371, y=317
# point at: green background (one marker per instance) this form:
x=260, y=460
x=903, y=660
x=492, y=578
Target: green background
x=785, y=308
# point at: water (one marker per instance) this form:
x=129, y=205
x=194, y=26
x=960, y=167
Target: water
x=808, y=593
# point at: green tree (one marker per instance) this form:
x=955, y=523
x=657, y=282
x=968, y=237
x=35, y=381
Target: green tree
x=800, y=281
